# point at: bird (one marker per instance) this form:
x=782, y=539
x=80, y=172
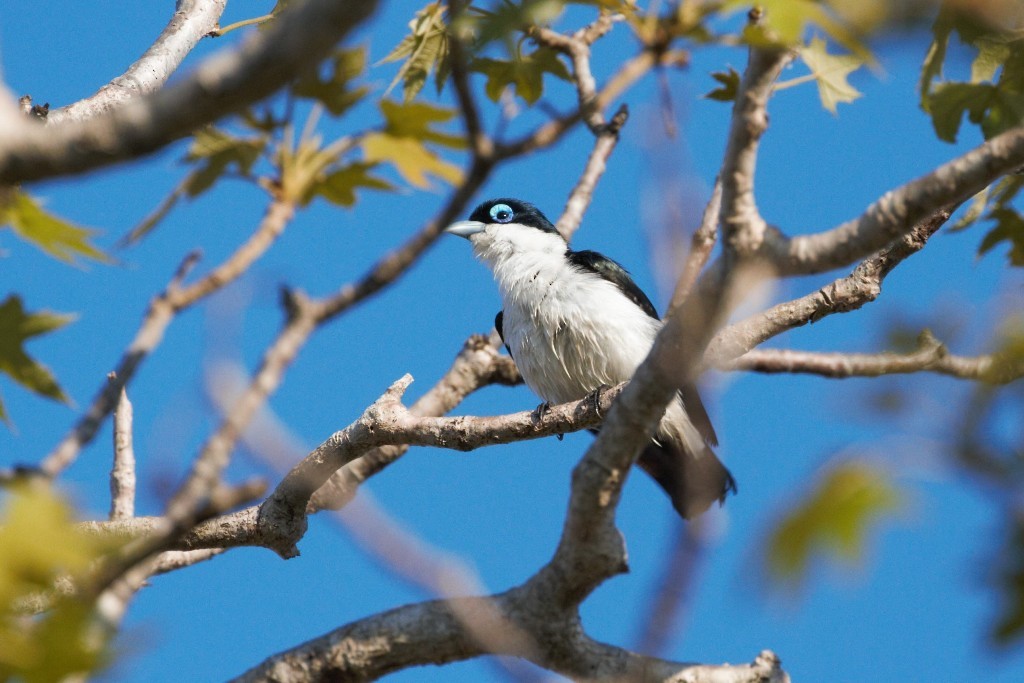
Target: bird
x=575, y=322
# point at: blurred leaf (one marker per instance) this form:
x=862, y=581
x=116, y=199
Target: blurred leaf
x=525, y=73
x=833, y=520
x=831, y=71
x=340, y=186
x=730, y=81
x=16, y=327
x=55, y=236
x=415, y=120
x=1009, y=228
x=505, y=17
x=974, y=210
x=411, y=159
x=214, y=152
x=784, y=23
x=334, y=91
x=39, y=542
x=424, y=49
x=948, y=102
x=936, y=55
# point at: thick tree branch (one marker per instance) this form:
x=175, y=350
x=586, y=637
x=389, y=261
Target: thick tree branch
x=742, y=225
x=299, y=37
x=192, y=20
x=122, y=474
x=434, y=633
x=897, y=211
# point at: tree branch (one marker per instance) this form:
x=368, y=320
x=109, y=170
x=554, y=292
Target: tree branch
x=930, y=356
x=192, y=20
x=299, y=37
x=846, y=294
x=162, y=310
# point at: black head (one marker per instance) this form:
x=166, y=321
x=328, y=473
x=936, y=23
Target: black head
x=507, y=210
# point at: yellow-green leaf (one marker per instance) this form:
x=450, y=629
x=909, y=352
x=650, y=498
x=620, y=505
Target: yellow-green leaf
x=831, y=72
x=833, y=520
x=16, y=327
x=53, y=235
x=339, y=187
x=39, y=542
x=410, y=158
x=524, y=73
x=424, y=49
x=730, y=81
x=416, y=120
x=334, y=91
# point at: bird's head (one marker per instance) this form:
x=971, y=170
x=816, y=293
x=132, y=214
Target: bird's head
x=500, y=228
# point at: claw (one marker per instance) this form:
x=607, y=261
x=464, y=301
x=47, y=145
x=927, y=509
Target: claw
x=595, y=397
x=540, y=411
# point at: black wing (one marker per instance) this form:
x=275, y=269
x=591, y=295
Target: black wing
x=499, y=324
x=593, y=262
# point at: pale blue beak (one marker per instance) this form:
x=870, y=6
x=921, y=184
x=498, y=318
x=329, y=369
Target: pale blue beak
x=466, y=228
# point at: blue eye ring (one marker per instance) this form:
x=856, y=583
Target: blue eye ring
x=502, y=213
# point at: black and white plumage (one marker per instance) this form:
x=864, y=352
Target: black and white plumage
x=575, y=321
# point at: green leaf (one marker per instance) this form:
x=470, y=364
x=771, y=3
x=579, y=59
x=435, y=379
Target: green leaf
x=40, y=542
x=424, y=49
x=949, y=101
x=411, y=159
x=16, y=327
x=936, y=55
x=831, y=71
x=416, y=120
x=525, y=73
x=506, y=17
x=730, y=81
x=784, y=23
x=339, y=187
x=1009, y=228
x=974, y=210
x=833, y=520
x=334, y=91
x=53, y=235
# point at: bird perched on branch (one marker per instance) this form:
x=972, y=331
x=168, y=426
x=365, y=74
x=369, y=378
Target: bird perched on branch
x=574, y=322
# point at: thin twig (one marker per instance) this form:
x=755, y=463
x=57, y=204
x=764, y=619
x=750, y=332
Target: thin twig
x=162, y=310
x=122, y=474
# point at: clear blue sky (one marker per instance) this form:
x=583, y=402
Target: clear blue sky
x=916, y=608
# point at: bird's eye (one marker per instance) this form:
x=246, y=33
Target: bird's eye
x=502, y=213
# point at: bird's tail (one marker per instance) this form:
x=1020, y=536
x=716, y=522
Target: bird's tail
x=693, y=482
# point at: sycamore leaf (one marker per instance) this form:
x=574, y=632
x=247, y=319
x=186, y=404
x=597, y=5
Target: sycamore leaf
x=39, y=541
x=525, y=73
x=1009, y=228
x=992, y=54
x=975, y=209
x=830, y=72
x=504, y=18
x=334, y=91
x=730, y=81
x=948, y=102
x=411, y=159
x=16, y=327
x=424, y=49
x=416, y=120
x=936, y=55
x=834, y=519
x=57, y=237
x=339, y=187
x=784, y=23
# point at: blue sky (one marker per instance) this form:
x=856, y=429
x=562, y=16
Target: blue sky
x=917, y=606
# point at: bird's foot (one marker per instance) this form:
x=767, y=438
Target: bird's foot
x=595, y=398
x=540, y=411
